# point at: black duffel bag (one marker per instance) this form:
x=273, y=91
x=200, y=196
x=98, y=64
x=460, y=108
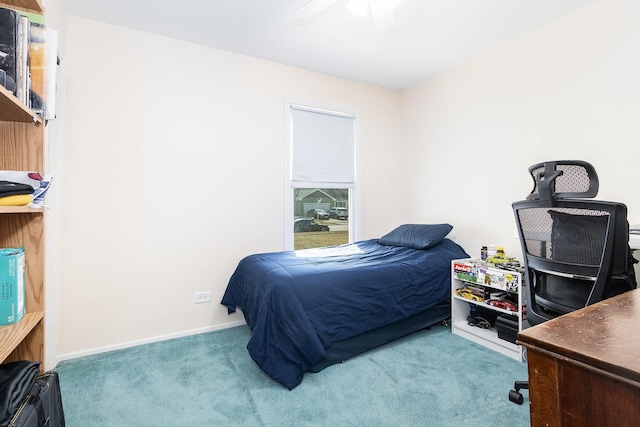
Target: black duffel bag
x=16, y=379
x=42, y=407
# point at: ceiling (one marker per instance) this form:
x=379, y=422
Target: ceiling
x=430, y=36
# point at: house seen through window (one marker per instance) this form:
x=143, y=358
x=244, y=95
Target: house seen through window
x=321, y=217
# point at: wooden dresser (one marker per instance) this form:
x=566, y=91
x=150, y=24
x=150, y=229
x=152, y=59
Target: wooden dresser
x=584, y=367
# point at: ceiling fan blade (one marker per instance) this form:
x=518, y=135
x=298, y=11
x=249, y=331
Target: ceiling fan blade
x=359, y=8
x=312, y=7
x=384, y=18
x=392, y=3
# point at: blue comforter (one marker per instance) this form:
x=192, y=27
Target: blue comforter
x=298, y=303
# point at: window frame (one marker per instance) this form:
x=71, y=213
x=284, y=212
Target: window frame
x=290, y=184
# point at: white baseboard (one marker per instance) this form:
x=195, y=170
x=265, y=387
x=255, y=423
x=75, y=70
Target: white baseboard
x=121, y=346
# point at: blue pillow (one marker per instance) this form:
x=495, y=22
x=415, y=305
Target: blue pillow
x=416, y=236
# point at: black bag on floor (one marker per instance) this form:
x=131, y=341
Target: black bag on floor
x=16, y=379
x=43, y=404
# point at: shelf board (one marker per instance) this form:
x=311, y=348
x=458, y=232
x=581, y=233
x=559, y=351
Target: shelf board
x=12, y=110
x=490, y=307
x=12, y=335
x=34, y=6
x=488, y=338
x=21, y=209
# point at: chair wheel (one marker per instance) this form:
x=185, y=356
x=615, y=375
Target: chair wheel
x=516, y=397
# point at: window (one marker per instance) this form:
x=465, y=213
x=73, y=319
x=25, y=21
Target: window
x=320, y=217
x=321, y=177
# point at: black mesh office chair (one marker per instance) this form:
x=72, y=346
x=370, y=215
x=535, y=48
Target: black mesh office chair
x=576, y=251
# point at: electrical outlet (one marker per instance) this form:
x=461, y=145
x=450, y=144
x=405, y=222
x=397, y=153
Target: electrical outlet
x=200, y=297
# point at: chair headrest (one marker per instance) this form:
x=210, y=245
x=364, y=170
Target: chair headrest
x=563, y=179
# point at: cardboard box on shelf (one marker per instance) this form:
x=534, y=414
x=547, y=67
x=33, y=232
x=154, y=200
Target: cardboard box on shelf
x=12, y=296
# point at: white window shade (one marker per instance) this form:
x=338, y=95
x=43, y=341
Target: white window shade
x=323, y=147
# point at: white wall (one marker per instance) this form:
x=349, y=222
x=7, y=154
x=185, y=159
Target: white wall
x=569, y=90
x=169, y=149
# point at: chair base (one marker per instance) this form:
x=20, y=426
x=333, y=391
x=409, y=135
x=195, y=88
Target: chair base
x=514, y=395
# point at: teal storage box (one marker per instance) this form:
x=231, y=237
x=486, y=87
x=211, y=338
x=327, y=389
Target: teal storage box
x=12, y=297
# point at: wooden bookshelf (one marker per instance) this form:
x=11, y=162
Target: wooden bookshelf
x=22, y=148
x=34, y=6
x=12, y=110
x=13, y=336
x=21, y=209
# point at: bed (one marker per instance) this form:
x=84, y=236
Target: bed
x=312, y=308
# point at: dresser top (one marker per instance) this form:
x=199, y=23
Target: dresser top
x=605, y=335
